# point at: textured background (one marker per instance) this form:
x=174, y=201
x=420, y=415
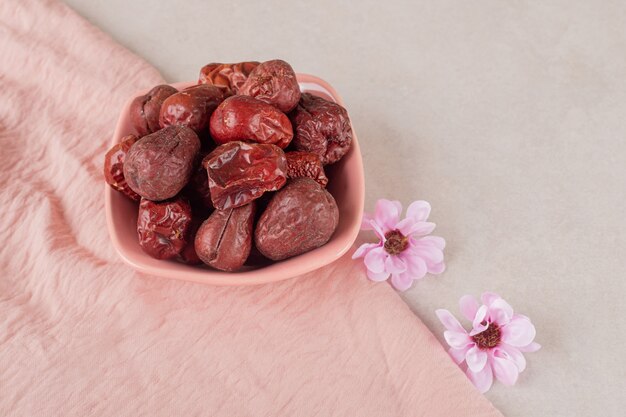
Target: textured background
x=507, y=116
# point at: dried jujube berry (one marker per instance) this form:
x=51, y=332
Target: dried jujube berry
x=144, y=110
x=245, y=118
x=225, y=238
x=163, y=227
x=230, y=76
x=240, y=172
x=322, y=127
x=300, y=217
x=273, y=82
x=159, y=165
x=302, y=164
x=114, y=167
x=192, y=107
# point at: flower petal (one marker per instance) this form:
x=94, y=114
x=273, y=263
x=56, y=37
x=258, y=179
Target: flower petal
x=435, y=240
x=420, y=229
x=416, y=266
x=378, y=230
x=364, y=249
x=395, y=264
x=377, y=277
x=427, y=250
x=457, y=340
x=375, y=260
x=515, y=355
x=402, y=281
x=469, y=306
x=449, y=321
x=489, y=297
x=387, y=213
x=518, y=332
x=500, y=312
x=476, y=359
x=477, y=323
x=481, y=380
x=458, y=355
x=418, y=210
x=533, y=347
x=436, y=269
x=504, y=370
x=405, y=226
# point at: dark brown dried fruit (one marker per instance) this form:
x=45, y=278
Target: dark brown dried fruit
x=144, y=110
x=192, y=107
x=225, y=238
x=114, y=167
x=240, y=172
x=273, y=82
x=159, y=165
x=230, y=76
x=302, y=164
x=163, y=227
x=300, y=217
x=322, y=127
x=248, y=119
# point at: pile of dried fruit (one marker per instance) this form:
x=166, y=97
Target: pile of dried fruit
x=231, y=164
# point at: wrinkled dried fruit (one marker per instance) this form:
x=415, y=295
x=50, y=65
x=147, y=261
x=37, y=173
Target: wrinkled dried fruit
x=192, y=107
x=230, y=76
x=300, y=217
x=302, y=164
x=248, y=119
x=240, y=172
x=273, y=82
x=163, y=227
x=114, y=167
x=225, y=238
x=322, y=127
x=144, y=110
x=159, y=165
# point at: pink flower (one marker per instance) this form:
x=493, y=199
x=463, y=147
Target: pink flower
x=404, y=251
x=494, y=346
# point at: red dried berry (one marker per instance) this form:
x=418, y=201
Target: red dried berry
x=163, y=227
x=321, y=127
x=240, y=172
x=225, y=238
x=299, y=218
x=231, y=76
x=114, y=167
x=248, y=119
x=159, y=165
x=273, y=82
x=144, y=110
x=306, y=164
x=192, y=107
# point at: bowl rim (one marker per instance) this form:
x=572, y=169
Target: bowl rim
x=289, y=268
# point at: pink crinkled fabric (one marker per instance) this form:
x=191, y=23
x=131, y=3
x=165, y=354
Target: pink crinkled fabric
x=83, y=334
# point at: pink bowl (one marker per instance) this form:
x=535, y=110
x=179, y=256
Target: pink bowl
x=346, y=185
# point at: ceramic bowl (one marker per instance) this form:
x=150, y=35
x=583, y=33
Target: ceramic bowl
x=346, y=185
